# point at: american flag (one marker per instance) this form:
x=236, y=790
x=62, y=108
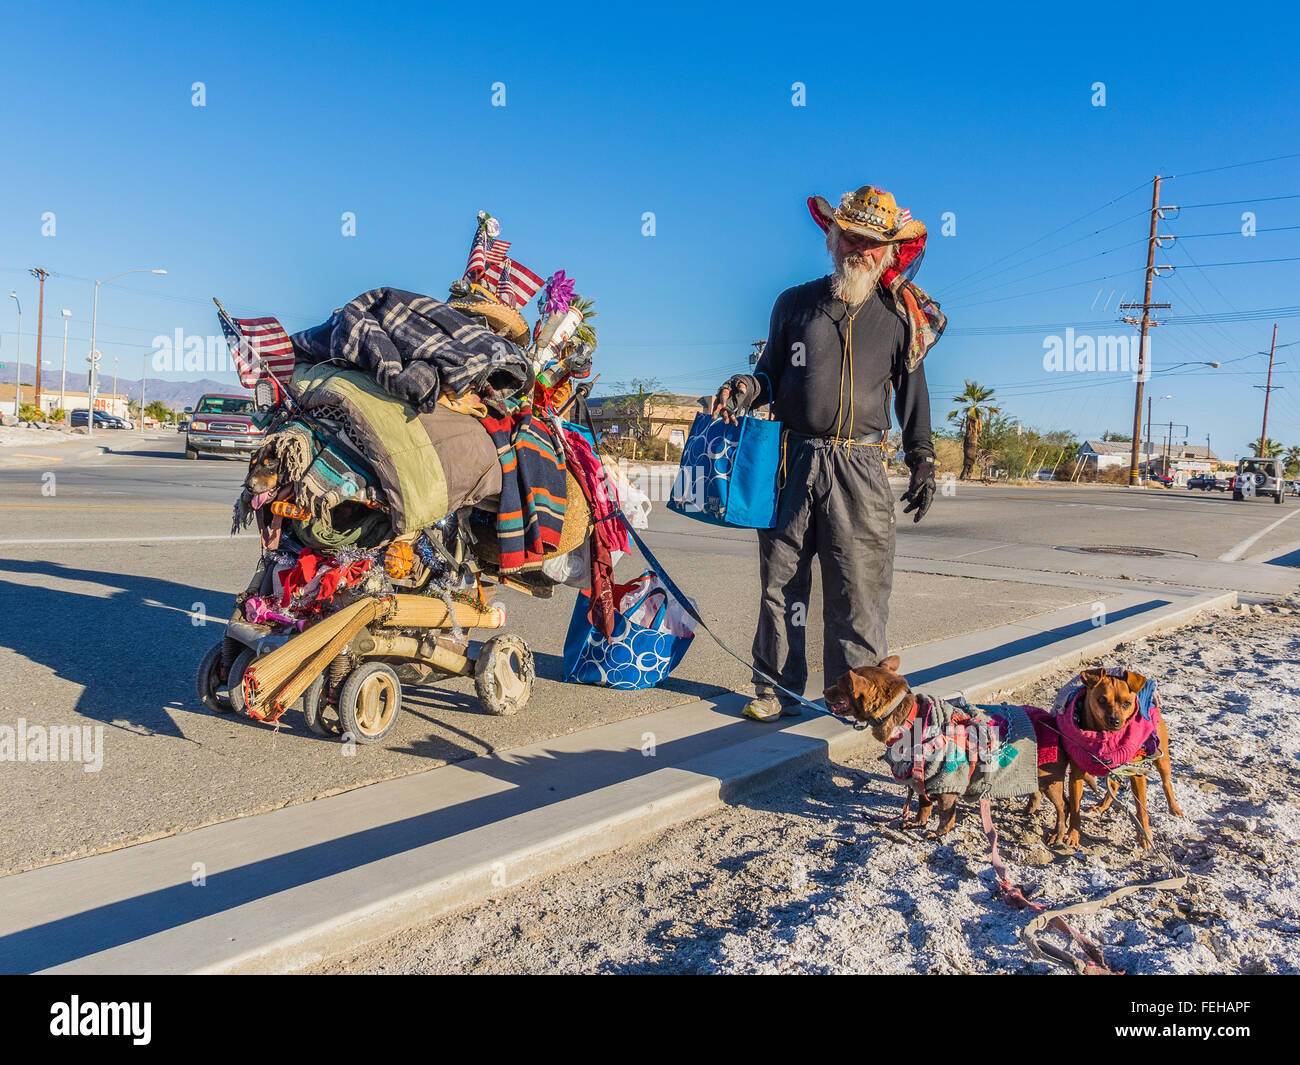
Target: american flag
x=904, y=216
x=482, y=255
x=259, y=346
x=515, y=284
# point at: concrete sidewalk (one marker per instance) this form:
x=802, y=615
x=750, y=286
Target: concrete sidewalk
x=281, y=890
x=1000, y=560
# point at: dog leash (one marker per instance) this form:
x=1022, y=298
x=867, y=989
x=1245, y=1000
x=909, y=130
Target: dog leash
x=685, y=604
x=1007, y=891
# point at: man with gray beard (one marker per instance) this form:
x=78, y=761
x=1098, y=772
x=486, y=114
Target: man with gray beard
x=837, y=348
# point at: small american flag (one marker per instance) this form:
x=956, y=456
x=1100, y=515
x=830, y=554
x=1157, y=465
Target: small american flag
x=259, y=346
x=904, y=216
x=477, y=255
x=515, y=284
x=484, y=251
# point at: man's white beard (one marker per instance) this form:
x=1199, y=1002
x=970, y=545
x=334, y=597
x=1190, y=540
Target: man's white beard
x=855, y=282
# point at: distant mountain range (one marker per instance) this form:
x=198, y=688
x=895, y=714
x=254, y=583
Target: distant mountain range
x=177, y=395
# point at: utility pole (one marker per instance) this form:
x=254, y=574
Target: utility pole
x=1147, y=306
x=1268, y=388
x=40, y=276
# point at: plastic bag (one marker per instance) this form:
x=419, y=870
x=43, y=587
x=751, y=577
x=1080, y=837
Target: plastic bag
x=640, y=605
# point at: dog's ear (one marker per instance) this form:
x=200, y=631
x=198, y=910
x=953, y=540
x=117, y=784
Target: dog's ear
x=836, y=692
x=1135, y=681
x=891, y=663
x=1092, y=677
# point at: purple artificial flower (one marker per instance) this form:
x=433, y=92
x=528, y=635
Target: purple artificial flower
x=559, y=293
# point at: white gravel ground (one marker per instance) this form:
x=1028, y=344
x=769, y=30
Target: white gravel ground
x=796, y=879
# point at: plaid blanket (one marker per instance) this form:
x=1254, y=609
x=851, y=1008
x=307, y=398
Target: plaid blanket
x=533, y=487
x=416, y=347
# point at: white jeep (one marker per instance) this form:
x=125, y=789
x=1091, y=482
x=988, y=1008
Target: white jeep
x=1258, y=477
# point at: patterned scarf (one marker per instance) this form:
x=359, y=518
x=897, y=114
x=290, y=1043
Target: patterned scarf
x=925, y=322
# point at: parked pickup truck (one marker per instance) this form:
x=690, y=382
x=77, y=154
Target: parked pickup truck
x=1208, y=482
x=222, y=425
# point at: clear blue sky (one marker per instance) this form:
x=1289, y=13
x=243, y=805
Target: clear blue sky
x=684, y=111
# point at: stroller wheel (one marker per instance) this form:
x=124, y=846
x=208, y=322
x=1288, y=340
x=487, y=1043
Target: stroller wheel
x=211, y=682
x=503, y=675
x=313, y=707
x=369, y=702
x=235, y=687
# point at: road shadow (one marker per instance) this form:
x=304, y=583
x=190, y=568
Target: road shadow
x=526, y=785
x=131, y=643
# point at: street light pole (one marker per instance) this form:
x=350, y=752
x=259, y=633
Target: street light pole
x=94, y=354
x=40, y=275
x=1149, y=406
x=63, y=377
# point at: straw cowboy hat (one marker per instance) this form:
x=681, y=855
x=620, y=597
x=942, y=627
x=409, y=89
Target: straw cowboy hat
x=871, y=212
x=500, y=318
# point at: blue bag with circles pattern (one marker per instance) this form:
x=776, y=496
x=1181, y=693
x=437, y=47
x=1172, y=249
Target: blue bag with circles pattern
x=633, y=657
x=728, y=474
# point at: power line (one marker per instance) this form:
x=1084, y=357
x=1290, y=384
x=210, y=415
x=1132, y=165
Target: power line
x=1245, y=262
x=1038, y=240
x=1050, y=269
x=984, y=275
x=1234, y=232
x=1234, y=166
x=1234, y=203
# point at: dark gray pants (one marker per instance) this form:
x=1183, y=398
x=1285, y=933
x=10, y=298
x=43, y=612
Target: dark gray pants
x=837, y=505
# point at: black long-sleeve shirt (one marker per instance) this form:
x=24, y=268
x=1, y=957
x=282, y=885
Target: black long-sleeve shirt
x=804, y=360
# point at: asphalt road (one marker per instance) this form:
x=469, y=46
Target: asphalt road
x=112, y=569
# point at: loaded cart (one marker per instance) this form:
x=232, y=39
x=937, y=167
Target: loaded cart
x=418, y=454
x=346, y=672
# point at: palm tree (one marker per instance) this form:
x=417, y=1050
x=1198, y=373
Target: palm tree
x=1272, y=449
x=973, y=408
x=585, y=333
x=1293, y=461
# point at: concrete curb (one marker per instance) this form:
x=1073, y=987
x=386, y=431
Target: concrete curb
x=286, y=889
x=987, y=687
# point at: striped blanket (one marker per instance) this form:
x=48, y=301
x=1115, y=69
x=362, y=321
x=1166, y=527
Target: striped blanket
x=533, y=486
x=417, y=347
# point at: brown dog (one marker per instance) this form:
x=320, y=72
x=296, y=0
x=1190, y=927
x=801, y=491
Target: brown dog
x=1105, y=710
x=880, y=697
x=263, y=471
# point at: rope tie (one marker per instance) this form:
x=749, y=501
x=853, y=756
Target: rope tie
x=846, y=359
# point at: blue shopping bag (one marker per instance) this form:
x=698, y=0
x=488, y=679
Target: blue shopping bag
x=728, y=474
x=632, y=658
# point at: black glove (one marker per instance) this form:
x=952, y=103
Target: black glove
x=921, y=489
x=735, y=397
